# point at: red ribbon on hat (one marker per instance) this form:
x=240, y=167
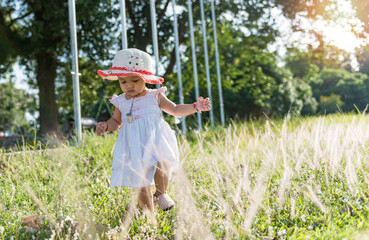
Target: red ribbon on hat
x=125, y=69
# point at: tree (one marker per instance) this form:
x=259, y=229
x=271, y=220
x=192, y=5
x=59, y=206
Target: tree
x=363, y=59
x=38, y=33
x=305, y=72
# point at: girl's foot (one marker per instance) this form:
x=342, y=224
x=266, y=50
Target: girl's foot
x=164, y=201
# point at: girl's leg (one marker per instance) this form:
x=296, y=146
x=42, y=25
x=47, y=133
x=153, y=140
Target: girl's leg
x=161, y=178
x=145, y=199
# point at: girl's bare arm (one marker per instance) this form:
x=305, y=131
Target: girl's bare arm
x=111, y=125
x=181, y=110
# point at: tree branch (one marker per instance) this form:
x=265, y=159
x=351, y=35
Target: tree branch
x=131, y=14
x=162, y=13
x=19, y=18
x=148, y=33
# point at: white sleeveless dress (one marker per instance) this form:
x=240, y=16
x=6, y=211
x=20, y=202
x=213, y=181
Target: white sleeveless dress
x=143, y=142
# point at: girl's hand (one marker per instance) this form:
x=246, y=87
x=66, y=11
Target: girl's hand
x=101, y=127
x=203, y=104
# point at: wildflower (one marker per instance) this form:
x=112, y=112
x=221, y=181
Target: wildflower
x=52, y=234
x=2, y=229
x=75, y=236
x=283, y=232
x=67, y=218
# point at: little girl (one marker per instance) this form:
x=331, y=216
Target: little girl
x=146, y=150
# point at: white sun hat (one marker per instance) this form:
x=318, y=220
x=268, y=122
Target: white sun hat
x=131, y=61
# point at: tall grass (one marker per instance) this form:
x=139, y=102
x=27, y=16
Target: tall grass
x=295, y=179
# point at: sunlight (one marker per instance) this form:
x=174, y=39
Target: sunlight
x=341, y=32
x=342, y=38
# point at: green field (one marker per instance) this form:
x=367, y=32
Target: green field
x=294, y=179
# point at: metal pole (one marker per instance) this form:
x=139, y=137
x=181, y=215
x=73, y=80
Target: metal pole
x=206, y=61
x=194, y=62
x=75, y=73
x=217, y=63
x=179, y=73
x=154, y=38
x=122, y=5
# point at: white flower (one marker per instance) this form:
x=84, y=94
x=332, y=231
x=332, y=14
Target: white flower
x=2, y=229
x=281, y=233
x=67, y=218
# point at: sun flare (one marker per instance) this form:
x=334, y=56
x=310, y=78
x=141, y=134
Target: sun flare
x=342, y=38
x=341, y=32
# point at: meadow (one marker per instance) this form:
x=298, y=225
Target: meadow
x=300, y=178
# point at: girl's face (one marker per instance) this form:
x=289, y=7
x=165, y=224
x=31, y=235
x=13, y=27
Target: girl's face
x=132, y=86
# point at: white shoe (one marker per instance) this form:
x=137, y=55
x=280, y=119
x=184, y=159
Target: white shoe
x=164, y=201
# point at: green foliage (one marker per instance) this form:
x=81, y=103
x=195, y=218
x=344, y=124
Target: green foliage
x=330, y=104
x=305, y=73
x=351, y=87
x=13, y=107
x=301, y=66
x=363, y=60
x=94, y=92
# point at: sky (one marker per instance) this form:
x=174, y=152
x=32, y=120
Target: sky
x=20, y=78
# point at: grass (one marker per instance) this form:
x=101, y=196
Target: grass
x=294, y=179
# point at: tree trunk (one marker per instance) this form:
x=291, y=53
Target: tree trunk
x=46, y=74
